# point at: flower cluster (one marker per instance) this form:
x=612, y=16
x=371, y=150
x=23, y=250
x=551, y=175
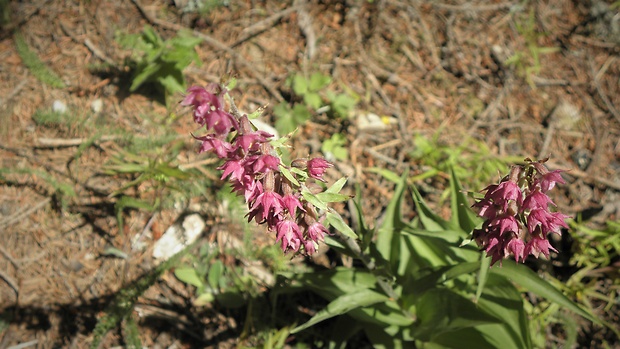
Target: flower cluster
x=255, y=170
x=517, y=213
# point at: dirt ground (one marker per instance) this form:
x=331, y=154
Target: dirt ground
x=430, y=65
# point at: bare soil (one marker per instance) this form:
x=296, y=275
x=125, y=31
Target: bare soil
x=436, y=67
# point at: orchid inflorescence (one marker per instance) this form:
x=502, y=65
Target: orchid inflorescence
x=517, y=213
x=272, y=191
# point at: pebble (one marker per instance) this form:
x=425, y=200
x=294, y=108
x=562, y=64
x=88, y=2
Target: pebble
x=97, y=105
x=59, y=107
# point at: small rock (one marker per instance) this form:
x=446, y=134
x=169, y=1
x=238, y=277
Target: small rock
x=59, y=107
x=178, y=236
x=97, y=105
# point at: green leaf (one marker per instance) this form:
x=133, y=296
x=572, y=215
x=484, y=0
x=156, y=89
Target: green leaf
x=501, y=299
x=216, y=270
x=388, y=234
x=462, y=215
x=313, y=199
x=288, y=175
x=485, y=265
x=343, y=305
x=441, y=310
x=334, y=282
x=313, y=100
x=338, y=223
x=385, y=173
x=335, y=146
x=437, y=276
x=189, y=276
x=300, y=85
x=529, y=280
x=332, y=197
x=337, y=186
x=318, y=81
x=429, y=219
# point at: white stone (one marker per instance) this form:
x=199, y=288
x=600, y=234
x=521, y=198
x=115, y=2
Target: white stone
x=59, y=107
x=178, y=236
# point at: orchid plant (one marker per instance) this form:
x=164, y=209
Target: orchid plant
x=420, y=283
x=277, y=195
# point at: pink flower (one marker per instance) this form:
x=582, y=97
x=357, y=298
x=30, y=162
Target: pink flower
x=548, y=222
x=266, y=162
x=211, y=143
x=288, y=232
x=220, y=121
x=538, y=245
x=536, y=199
x=267, y=203
x=253, y=168
x=233, y=168
x=249, y=187
x=251, y=141
x=548, y=180
x=505, y=224
x=517, y=215
x=316, y=231
x=317, y=167
x=516, y=247
x=504, y=193
x=291, y=203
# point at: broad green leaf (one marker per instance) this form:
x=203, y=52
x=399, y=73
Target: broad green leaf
x=333, y=283
x=529, y=280
x=143, y=75
x=428, y=218
x=501, y=299
x=336, y=221
x=476, y=337
x=462, y=215
x=441, y=310
x=438, y=276
x=216, y=270
x=387, y=313
x=388, y=234
x=380, y=339
x=189, y=276
x=343, y=305
x=171, y=81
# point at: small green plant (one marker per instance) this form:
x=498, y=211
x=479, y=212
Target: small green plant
x=419, y=287
x=593, y=253
x=34, y=64
x=160, y=62
x=334, y=148
x=527, y=62
x=310, y=90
